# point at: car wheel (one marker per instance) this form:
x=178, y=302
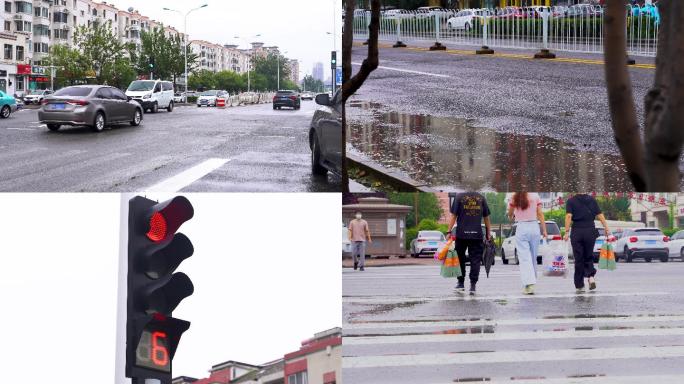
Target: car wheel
x=170, y=108
x=517, y=261
x=199, y=106
x=648, y=259
x=54, y=127
x=628, y=256
x=316, y=167
x=503, y=257
x=5, y=112
x=681, y=253
x=664, y=259
x=137, y=118
x=274, y=108
x=99, y=123
x=155, y=108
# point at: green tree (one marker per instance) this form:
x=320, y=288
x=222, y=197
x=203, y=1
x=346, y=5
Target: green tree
x=497, y=207
x=259, y=82
x=202, y=80
x=119, y=73
x=311, y=84
x=428, y=206
x=101, y=48
x=267, y=66
x=230, y=81
x=557, y=215
x=71, y=65
x=615, y=208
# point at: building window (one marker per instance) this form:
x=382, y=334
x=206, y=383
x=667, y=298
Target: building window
x=297, y=378
x=8, y=52
x=8, y=26
x=23, y=26
x=20, y=83
x=60, y=17
x=20, y=53
x=24, y=7
x=8, y=6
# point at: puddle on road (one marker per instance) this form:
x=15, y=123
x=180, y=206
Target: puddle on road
x=453, y=154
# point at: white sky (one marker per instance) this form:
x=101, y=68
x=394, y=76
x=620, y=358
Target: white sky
x=296, y=26
x=266, y=272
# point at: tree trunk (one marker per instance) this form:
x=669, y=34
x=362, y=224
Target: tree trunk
x=620, y=98
x=664, y=134
x=351, y=84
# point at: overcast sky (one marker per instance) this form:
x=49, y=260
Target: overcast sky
x=297, y=26
x=266, y=273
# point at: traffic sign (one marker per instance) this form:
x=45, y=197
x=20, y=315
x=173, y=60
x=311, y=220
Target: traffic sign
x=338, y=76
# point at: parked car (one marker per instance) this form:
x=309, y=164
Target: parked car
x=465, y=19
x=427, y=243
x=95, y=106
x=616, y=227
x=287, y=98
x=395, y=14
x=8, y=105
x=509, y=251
x=581, y=10
x=152, y=95
x=208, y=98
x=307, y=96
x=646, y=243
x=35, y=97
x=180, y=97
x=676, y=245
x=325, y=135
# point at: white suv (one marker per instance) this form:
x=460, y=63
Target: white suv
x=427, y=243
x=152, y=95
x=555, y=240
x=646, y=243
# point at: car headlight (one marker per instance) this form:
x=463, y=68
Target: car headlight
x=148, y=96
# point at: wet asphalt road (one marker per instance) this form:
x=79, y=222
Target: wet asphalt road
x=258, y=150
x=406, y=325
x=495, y=117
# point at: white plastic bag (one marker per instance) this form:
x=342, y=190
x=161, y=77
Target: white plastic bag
x=555, y=260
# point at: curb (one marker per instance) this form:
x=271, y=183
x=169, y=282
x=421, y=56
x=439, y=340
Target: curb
x=397, y=180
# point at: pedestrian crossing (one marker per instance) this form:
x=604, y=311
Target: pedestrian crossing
x=616, y=335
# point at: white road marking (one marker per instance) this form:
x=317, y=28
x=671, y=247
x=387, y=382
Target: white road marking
x=187, y=177
x=399, y=299
x=481, y=323
x=660, y=379
x=442, y=359
x=501, y=336
x=410, y=71
x=22, y=129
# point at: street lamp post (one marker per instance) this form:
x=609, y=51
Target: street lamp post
x=185, y=39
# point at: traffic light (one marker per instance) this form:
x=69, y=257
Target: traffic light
x=333, y=59
x=155, y=250
x=151, y=62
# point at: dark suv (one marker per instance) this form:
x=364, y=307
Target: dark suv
x=287, y=99
x=325, y=135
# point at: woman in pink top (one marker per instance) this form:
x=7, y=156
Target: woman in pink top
x=525, y=209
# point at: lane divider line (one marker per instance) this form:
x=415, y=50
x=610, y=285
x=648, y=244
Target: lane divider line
x=176, y=183
x=409, y=71
x=401, y=299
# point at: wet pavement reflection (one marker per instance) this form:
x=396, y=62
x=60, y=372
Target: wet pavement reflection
x=455, y=154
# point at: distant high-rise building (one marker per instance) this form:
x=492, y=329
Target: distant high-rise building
x=318, y=72
x=294, y=71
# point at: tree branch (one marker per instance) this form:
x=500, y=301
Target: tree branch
x=371, y=62
x=620, y=98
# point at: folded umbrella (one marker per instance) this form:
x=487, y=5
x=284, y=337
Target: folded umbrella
x=488, y=255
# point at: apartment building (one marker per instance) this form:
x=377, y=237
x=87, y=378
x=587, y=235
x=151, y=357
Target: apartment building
x=294, y=70
x=216, y=57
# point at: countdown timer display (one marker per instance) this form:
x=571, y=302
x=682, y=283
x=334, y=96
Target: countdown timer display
x=153, y=351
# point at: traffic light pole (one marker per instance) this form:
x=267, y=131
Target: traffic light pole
x=122, y=291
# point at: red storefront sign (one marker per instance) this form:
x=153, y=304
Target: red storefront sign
x=23, y=69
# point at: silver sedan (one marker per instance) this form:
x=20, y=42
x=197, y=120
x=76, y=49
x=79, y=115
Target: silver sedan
x=95, y=106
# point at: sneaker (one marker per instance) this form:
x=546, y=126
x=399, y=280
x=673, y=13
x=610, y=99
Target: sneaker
x=529, y=289
x=472, y=289
x=356, y=265
x=580, y=291
x=460, y=286
x=361, y=269
x=592, y=284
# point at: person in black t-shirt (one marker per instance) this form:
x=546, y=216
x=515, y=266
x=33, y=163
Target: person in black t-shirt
x=467, y=212
x=582, y=210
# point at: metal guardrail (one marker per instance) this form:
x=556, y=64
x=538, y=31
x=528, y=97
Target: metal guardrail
x=573, y=29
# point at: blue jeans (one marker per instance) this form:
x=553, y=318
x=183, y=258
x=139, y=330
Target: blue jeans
x=527, y=237
x=359, y=250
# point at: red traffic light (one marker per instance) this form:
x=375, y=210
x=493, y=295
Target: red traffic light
x=167, y=217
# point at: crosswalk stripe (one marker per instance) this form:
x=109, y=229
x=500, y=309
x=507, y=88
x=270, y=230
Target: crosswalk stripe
x=189, y=176
x=478, y=323
x=399, y=299
x=501, y=336
x=437, y=359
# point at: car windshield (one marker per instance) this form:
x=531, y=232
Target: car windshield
x=37, y=92
x=648, y=232
x=210, y=93
x=552, y=229
x=141, y=85
x=285, y=92
x=74, y=91
x=431, y=234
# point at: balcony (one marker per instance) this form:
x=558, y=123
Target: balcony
x=134, y=27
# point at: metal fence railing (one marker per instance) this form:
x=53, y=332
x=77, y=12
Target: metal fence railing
x=574, y=29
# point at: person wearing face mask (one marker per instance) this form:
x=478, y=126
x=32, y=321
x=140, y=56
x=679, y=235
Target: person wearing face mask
x=358, y=233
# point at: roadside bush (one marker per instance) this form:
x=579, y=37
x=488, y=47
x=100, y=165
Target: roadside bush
x=192, y=99
x=670, y=231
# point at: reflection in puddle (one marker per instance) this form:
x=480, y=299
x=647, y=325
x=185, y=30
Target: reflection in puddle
x=451, y=154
